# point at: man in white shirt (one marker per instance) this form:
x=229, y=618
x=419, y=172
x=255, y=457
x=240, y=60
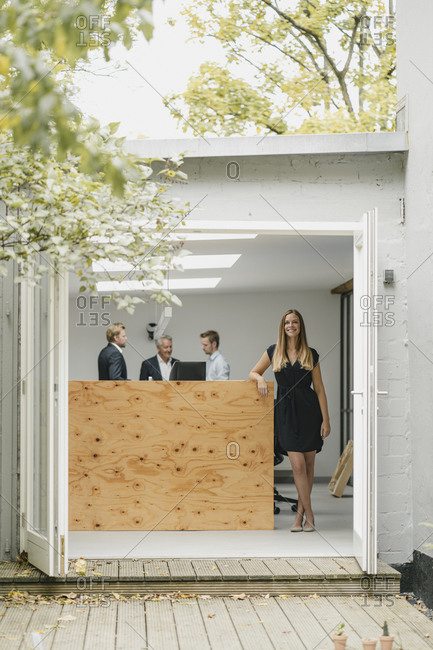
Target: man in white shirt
x=217, y=368
x=158, y=367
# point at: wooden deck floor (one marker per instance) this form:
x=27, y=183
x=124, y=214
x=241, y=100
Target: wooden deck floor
x=218, y=577
x=199, y=623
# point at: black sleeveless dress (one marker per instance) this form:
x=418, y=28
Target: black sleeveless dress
x=297, y=414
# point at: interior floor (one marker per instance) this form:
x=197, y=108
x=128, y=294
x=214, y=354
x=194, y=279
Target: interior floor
x=332, y=537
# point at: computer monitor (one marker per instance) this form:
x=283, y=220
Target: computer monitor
x=189, y=371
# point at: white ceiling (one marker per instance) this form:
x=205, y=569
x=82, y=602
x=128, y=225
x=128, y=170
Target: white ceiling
x=272, y=262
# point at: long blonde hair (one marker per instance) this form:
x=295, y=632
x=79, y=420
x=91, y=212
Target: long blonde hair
x=305, y=358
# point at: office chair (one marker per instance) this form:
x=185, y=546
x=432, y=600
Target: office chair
x=278, y=458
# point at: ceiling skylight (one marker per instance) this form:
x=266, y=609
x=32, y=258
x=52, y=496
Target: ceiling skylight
x=188, y=262
x=214, y=236
x=209, y=261
x=172, y=285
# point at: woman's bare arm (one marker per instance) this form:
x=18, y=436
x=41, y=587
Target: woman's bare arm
x=257, y=372
x=319, y=388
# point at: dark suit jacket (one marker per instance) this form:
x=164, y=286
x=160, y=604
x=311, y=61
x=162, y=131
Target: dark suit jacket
x=111, y=364
x=150, y=368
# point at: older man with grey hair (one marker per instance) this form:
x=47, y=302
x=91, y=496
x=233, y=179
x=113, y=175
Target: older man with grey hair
x=159, y=367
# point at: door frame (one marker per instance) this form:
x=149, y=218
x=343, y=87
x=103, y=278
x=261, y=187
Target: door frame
x=50, y=555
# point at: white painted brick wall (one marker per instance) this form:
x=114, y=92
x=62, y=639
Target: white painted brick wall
x=414, y=76
x=333, y=188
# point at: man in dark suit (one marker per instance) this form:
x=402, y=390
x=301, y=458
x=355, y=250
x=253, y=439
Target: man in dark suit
x=159, y=366
x=111, y=364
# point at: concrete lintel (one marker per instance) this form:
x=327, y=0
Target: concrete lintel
x=289, y=145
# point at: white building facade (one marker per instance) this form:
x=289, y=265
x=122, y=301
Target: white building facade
x=323, y=179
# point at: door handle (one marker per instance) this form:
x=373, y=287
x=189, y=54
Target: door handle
x=382, y=392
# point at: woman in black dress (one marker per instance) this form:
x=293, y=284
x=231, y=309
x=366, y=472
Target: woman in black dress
x=301, y=414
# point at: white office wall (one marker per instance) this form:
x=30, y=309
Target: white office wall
x=247, y=324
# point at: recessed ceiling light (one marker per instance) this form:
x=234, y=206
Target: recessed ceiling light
x=213, y=236
x=227, y=227
x=172, y=285
x=209, y=261
x=187, y=261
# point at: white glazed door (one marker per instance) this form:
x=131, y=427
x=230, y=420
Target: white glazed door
x=44, y=425
x=365, y=393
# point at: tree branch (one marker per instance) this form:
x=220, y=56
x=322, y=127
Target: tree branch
x=284, y=52
x=356, y=20
x=317, y=41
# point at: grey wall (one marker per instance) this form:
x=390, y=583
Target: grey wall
x=247, y=325
x=415, y=79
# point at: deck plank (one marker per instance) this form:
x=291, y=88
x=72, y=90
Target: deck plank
x=256, y=569
x=422, y=623
x=333, y=610
x=191, y=631
x=280, y=568
x=309, y=629
x=221, y=632
x=38, y=631
x=351, y=566
x=332, y=567
x=95, y=570
x=383, y=568
x=13, y=626
x=206, y=570
x=156, y=570
x=305, y=567
x=101, y=627
x=251, y=631
x=231, y=569
x=181, y=570
x=160, y=625
x=19, y=572
x=405, y=630
x=276, y=624
x=71, y=634
x=131, y=570
x=131, y=625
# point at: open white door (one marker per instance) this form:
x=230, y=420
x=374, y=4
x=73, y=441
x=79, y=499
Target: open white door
x=365, y=393
x=44, y=424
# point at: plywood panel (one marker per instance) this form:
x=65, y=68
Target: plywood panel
x=170, y=456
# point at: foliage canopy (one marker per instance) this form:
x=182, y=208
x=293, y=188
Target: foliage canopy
x=299, y=66
x=42, y=42
x=69, y=192
x=75, y=222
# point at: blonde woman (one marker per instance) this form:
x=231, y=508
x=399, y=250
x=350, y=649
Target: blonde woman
x=301, y=413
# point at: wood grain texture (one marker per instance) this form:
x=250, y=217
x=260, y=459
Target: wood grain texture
x=170, y=456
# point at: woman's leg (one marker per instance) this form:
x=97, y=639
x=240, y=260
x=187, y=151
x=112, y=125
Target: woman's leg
x=310, y=457
x=303, y=474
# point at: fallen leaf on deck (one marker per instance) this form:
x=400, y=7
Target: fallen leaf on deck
x=80, y=565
